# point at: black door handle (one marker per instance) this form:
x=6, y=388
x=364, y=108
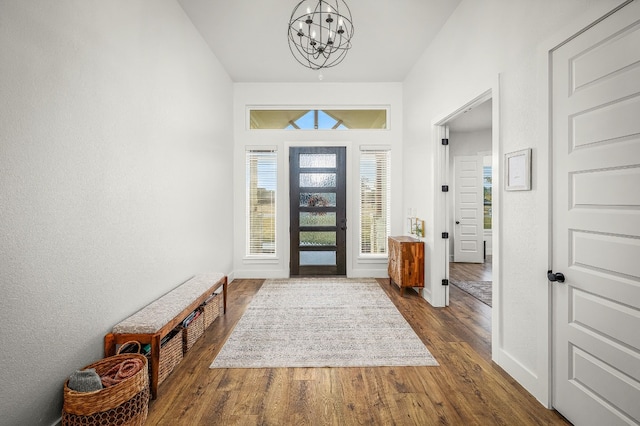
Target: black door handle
x=558, y=276
x=457, y=222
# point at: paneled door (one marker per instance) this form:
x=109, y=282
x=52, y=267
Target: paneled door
x=468, y=241
x=318, y=223
x=596, y=222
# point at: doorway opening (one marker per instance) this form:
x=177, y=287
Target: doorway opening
x=484, y=108
x=317, y=199
x=471, y=201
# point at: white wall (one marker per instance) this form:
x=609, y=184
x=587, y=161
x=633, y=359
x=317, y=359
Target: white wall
x=116, y=157
x=481, y=40
x=318, y=95
x=470, y=143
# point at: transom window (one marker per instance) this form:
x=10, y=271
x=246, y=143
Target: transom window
x=318, y=119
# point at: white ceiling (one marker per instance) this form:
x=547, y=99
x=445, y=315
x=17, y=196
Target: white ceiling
x=478, y=118
x=249, y=37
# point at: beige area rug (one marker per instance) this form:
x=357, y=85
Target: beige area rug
x=481, y=290
x=320, y=322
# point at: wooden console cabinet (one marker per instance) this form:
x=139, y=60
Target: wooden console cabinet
x=406, y=262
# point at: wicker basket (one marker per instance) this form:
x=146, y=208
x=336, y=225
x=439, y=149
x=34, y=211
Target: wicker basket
x=125, y=403
x=170, y=356
x=211, y=311
x=192, y=332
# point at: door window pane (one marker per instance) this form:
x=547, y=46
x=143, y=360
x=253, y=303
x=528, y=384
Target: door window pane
x=315, y=238
x=318, y=180
x=318, y=199
x=325, y=258
x=317, y=160
x=317, y=218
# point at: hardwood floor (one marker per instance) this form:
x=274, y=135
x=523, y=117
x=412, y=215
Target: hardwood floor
x=466, y=389
x=471, y=271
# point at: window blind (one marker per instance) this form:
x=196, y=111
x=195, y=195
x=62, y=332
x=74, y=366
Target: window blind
x=375, y=201
x=262, y=181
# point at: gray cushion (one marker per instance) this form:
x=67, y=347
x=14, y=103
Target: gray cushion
x=157, y=314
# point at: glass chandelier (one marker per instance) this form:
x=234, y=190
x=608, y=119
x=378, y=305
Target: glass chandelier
x=320, y=32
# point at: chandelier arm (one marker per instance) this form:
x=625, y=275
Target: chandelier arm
x=306, y=63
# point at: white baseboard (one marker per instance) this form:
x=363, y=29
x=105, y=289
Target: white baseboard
x=524, y=376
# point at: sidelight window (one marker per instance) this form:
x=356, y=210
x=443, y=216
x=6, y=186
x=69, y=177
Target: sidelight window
x=261, y=184
x=375, y=201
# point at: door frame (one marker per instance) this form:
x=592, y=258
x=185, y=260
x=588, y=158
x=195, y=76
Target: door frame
x=442, y=214
x=594, y=15
x=351, y=219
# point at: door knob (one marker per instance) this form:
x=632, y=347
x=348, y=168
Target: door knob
x=457, y=222
x=558, y=276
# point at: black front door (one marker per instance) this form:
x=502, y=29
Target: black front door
x=317, y=188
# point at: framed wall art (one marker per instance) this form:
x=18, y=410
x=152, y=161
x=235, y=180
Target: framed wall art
x=518, y=170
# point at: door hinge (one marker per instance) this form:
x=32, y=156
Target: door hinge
x=445, y=235
x=445, y=141
x=445, y=188
x=445, y=282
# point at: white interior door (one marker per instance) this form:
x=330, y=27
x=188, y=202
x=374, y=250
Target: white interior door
x=468, y=227
x=596, y=222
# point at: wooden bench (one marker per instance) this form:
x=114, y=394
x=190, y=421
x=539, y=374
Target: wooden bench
x=153, y=322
